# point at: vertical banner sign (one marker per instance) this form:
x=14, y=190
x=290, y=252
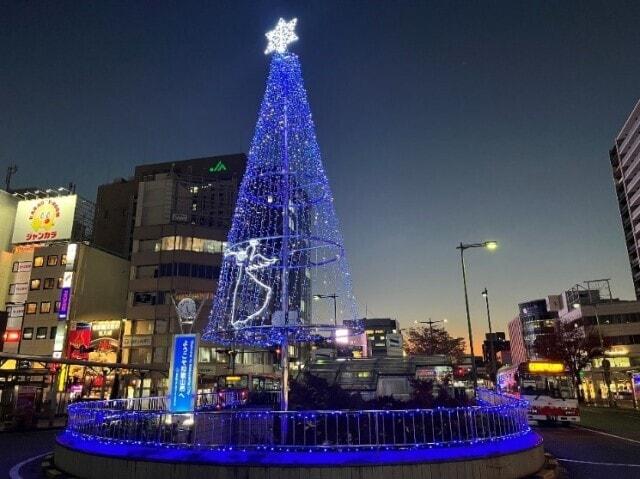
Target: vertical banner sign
x=183, y=373
x=635, y=378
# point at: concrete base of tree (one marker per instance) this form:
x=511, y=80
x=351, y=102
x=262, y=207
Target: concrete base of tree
x=505, y=459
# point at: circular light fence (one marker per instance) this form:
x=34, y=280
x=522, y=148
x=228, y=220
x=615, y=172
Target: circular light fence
x=145, y=422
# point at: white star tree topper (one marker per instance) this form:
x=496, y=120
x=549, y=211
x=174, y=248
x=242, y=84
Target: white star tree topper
x=281, y=36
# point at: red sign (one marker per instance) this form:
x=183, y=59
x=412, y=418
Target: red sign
x=78, y=343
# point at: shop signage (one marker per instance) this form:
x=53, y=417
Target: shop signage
x=44, y=219
x=635, y=379
x=183, y=373
x=137, y=341
x=65, y=299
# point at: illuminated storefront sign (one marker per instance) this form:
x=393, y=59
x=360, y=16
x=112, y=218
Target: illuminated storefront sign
x=182, y=373
x=65, y=300
x=545, y=367
x=44, y=219
x=58, y=344
x=105, y=341
x=635, y=379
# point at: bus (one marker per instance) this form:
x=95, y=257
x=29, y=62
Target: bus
x=548, y=388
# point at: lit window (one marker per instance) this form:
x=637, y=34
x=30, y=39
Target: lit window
x=35, y=284
x=31, y=308
x=60, y=280
x=38, y=261
x=56, y=306
x=63, y=261
x=27, y=333
x=52, y=260
x=49, y=283
x=168, y=243
x=197, y=244
x=45, y=307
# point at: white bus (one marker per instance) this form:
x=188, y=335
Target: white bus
x=546, y=385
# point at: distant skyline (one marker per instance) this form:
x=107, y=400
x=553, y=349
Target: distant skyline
x=439, y=122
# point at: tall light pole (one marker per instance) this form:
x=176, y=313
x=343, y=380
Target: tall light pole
x=490, y=245
x=492, y=352
x=334, y=296
x=430, y=322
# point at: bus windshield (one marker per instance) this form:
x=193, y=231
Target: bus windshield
x=547, y=385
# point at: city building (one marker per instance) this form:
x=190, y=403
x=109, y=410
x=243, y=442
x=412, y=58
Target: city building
x=383, y=336
x=625, y=163
x=115, y=216
x=500, y=344
x=613, y=323
x=8, y=206
x=535, y=319
x=58, y=286
x=516, y=340
x=176, y=217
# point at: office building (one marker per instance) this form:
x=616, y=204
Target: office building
x=177, y=216
x=499, y=342
x=8, y=206
x=383, y=337
x=625, y=163
x=58, y=285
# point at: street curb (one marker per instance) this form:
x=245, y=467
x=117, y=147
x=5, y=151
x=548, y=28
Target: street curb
x=51, y=471
x=550, y=470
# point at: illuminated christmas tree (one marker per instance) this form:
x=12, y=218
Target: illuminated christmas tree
x=285, y=276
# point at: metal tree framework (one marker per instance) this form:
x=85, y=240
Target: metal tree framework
x=284, y=248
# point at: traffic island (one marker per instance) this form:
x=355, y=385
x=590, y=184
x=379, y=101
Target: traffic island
x=122, y=439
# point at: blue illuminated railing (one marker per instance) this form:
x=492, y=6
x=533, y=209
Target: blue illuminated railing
x=495, y=417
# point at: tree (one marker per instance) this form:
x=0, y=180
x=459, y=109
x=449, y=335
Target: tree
x=432, y=341
x=574, y=346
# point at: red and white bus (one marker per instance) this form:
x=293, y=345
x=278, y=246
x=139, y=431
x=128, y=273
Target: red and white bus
x=546, y=385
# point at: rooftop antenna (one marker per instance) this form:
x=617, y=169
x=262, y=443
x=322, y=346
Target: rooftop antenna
x=11, y=170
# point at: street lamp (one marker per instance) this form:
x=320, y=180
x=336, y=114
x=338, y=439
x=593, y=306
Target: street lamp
x=431, y=322
x=318, y=297
x=490, y=245
x=492, y=353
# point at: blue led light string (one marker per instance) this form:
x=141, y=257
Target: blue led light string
x=284, y=246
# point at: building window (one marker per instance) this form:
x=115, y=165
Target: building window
x=56, y=306
x=168, y=243
x=45, y=307
x=34, y=284
x=52, y=260
x=59, y=283
x=31, y=308
x=27, y=333
x=52, y=332
x=38, y=261
x=49, y=283
x=15, y=267
x=41, y=333
x=63, y=261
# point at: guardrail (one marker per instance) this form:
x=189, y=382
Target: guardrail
x=495, y=417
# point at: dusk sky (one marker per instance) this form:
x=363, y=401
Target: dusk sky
x=439, y=122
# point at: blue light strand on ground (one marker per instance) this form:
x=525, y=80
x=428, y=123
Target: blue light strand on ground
x=328, y=457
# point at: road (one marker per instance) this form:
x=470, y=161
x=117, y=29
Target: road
x=586, y=454
x=19, y=446
x=583, y=453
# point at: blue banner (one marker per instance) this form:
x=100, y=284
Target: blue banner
x=183, y=373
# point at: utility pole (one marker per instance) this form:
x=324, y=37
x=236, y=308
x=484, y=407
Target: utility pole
x=11, y=170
